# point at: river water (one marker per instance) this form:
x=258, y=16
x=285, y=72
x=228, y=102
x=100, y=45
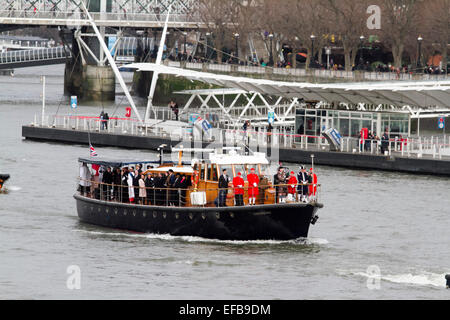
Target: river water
x=379, y=236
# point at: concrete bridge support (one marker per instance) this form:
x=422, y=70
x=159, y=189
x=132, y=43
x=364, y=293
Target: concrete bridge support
x=87, y=74
x=89, y=82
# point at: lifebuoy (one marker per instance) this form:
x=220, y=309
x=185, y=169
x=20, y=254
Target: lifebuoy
x=195, y=179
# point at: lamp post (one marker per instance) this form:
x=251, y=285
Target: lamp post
x=311, y=62
x=419, y=44
x=185, y=35
x=361, y=58
x=206, y=47
x=236, y=35
x=271, y=50
x=328, y=52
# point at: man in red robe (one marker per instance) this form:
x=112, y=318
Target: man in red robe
x=292, y=188
x=253, y=190
x=313, y=186
x=238, y=184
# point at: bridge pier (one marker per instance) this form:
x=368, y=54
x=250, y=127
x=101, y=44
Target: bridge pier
x=84, y=77
x=90, y=82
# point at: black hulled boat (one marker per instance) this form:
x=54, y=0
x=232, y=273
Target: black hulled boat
x=3, y=178
x=194, y=210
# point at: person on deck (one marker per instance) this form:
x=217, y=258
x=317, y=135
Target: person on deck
x=302, y=188
x=107, y=181
x=85, y=180
x=279, y=182
x=116, y=183
x=159, y=191
x=253, y=190
x=313, y=186
x=124, y=185
x=150, y=187
x=142, y=191
x=223, y=188
x=292, y=188
x=171, y=192
x=136, y=178
x=238, y=184
x=130, y=181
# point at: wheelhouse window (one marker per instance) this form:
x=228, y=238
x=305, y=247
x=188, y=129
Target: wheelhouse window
x=212, y=173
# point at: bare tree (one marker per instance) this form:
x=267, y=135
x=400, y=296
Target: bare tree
x=272, y=21
x=244, y=23
x=399, y=26
x=218, y=17
x=306, y=19
x=349, y=18
x=435, y=27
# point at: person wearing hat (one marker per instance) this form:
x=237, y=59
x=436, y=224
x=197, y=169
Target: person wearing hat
x=303, y=180
x=279, y=182
x=223, y=188
x=238, y=184
x=292, y=188
x=253, y=182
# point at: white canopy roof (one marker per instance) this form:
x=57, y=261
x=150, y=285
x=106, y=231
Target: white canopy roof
x=397, y=93
x=233, y=158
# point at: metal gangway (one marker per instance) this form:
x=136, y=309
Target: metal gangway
x=27, y=58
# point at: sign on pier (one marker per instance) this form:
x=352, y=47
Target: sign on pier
x=73, y=102
x=441, y=122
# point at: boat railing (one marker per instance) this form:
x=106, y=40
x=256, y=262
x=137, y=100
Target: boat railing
x=212, y=197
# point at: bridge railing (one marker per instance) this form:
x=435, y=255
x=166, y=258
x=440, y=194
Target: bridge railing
x=106, y=16
x=33, y=55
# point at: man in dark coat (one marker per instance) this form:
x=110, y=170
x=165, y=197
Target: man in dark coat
x=159, y=193
x=107, y=183
x=117, y=181
x=303, y=180
x=124, y=185
x=136, y=178
x=150, y=187
x=223, y=188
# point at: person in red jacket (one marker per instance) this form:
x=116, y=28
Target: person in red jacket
x=238, y=184
x=292, y=188
x=253, y=190
x=313, y=186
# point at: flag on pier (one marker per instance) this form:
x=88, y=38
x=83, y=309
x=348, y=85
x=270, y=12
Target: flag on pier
x=92, y=150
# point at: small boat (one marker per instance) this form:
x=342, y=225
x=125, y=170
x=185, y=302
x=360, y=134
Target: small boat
x=195, y=208
x=3, y=178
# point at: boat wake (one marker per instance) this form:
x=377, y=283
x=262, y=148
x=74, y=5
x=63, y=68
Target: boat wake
x=13, y=188
x=421, y=279
x=168, y=237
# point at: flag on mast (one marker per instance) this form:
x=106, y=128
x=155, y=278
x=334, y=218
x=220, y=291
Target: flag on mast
x=92, y=151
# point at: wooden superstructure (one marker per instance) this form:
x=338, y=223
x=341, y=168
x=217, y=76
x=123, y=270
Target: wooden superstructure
x=209, y=171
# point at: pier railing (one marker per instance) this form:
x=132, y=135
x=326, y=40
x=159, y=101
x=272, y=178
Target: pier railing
x=181, y=197
x=436, y=147
x=301, y=73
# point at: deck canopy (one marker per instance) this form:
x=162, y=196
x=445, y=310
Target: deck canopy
x=398, y=93
x=115, y=162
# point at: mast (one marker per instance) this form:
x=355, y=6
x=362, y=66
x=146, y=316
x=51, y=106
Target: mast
x=111, y=60
x=155, y=73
